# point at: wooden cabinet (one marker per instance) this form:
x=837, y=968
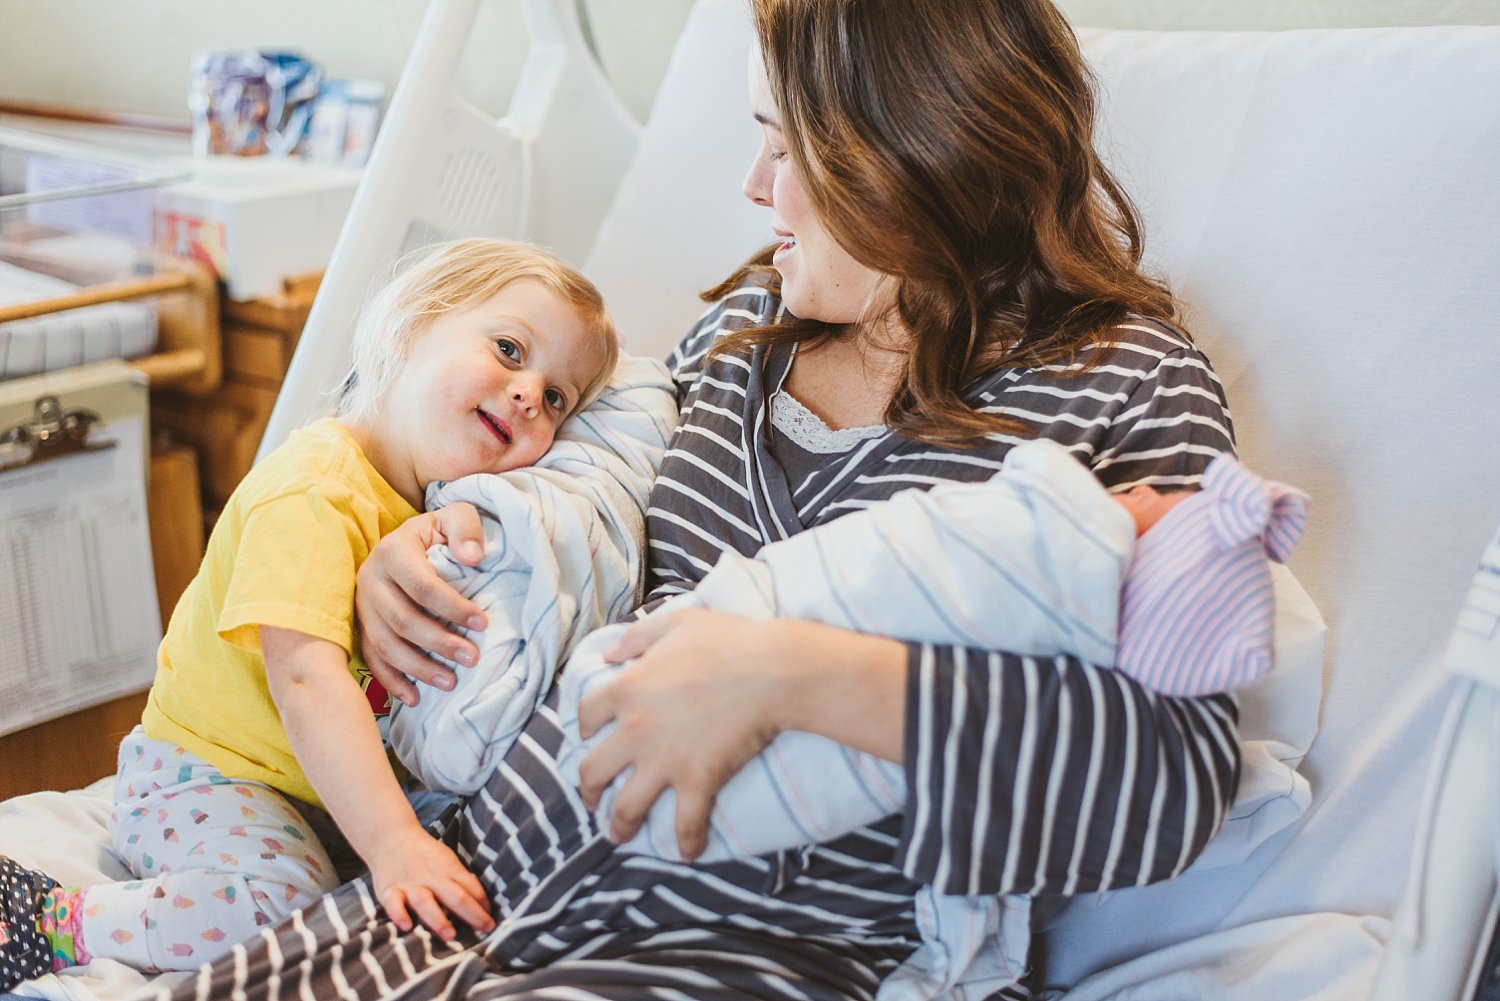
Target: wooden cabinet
x=69, y=751
x=175, y=508
x=225, y=429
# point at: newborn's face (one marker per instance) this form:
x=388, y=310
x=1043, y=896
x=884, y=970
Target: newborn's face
x=1147, y=505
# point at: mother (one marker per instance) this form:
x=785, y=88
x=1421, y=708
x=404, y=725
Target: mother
x=957, y=272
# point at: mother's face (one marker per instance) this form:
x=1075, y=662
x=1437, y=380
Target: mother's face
x=819, y=279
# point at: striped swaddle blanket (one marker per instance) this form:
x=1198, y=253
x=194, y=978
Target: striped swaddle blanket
x=563, y=547
x=1034, y=561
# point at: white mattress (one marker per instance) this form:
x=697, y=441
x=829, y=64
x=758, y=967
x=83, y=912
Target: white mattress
x=72, y=337
x=67, y=833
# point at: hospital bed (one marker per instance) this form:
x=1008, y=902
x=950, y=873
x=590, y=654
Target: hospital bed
x=1327, y=204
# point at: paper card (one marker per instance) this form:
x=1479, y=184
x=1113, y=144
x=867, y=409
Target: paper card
x=125, y=214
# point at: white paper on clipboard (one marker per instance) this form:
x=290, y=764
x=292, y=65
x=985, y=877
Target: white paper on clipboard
x=81, y=625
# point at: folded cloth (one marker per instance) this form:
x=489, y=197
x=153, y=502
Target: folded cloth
x=563, y=544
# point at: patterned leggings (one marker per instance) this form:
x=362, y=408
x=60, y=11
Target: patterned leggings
x=580, y=921
x=216, y=859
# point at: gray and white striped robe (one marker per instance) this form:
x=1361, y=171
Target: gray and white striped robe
x=1025, y=775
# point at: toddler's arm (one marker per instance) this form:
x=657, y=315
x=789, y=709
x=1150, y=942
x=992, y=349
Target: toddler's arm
x=337, y=744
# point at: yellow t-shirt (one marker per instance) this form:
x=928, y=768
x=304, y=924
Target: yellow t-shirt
x=283, y=553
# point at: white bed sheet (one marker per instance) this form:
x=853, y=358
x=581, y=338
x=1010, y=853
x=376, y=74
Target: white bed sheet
x=65, y=835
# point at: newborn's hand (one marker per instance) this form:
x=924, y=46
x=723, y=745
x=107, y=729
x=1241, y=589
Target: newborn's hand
x=699, y=701
x=397, y=594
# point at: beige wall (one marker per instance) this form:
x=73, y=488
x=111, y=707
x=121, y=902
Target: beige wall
x=133, y=55
x=1239, y=15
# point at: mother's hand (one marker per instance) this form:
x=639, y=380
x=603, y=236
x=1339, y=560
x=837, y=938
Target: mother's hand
x=707, y=691
x=397, y=593
x=701, y=699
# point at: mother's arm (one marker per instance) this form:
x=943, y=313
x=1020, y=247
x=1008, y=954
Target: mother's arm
x=1031, y=774
x=707, y=691
x=1023, y=774
x=397, y=593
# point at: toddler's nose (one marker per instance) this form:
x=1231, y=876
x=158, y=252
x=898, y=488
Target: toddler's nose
x=526, y=396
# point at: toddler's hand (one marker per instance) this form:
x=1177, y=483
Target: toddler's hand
x=413, y=869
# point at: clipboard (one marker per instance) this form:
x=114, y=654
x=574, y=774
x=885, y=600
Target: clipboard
x=79, y=623
x=52, y=433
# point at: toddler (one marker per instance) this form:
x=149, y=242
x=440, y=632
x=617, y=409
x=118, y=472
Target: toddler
x=262, y=716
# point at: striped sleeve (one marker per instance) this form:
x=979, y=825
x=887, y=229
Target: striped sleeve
x=700, y=505
x=749, y=305
x=1173, y=421
x=1030, y=775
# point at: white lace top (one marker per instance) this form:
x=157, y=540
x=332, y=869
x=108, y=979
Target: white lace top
x=807, y=430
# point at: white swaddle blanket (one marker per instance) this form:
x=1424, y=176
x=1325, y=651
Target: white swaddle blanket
x=1032, y=562
x=563, y=544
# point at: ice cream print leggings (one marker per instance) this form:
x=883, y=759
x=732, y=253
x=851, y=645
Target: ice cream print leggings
x=214, y=859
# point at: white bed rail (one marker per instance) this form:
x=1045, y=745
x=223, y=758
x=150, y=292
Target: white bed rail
x=442, y=169
x=1448, y=911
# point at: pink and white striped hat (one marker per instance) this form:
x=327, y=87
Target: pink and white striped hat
x=1198, y=613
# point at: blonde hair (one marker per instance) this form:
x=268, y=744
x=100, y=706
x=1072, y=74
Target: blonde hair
x=455, y=276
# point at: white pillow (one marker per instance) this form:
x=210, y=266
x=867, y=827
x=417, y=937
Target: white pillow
x=1278, y=720
x=1325, y=202
x=679, y=224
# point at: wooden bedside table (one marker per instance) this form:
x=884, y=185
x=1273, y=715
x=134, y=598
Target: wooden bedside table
x=259, y=337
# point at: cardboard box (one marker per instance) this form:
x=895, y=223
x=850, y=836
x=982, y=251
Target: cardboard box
x=226, y=430
x=255, y=220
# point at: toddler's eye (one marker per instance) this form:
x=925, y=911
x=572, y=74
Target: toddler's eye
x=555, y=399
x=508, y=348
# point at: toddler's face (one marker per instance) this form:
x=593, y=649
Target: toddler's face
x=484, y=389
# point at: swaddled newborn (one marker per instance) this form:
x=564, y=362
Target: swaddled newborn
x=1032, y=561
x=1038, y=560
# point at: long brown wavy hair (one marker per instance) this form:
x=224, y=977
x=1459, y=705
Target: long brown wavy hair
x=949, y=145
